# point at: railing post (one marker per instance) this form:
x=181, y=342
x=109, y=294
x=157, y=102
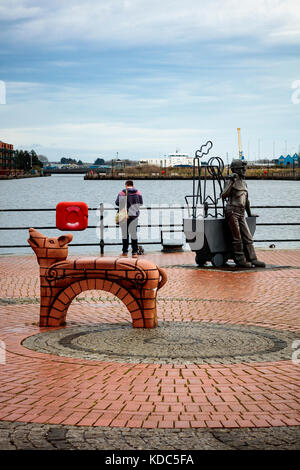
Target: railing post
x=102, y=243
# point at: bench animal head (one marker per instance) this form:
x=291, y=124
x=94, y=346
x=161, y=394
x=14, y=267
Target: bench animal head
x=49, y=250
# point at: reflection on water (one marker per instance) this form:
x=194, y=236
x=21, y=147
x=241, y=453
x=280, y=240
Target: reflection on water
x=47, y=192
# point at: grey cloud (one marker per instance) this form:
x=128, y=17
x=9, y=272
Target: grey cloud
x=133, y=22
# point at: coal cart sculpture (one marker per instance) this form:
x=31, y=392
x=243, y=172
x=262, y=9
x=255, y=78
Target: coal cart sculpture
x=216, y=228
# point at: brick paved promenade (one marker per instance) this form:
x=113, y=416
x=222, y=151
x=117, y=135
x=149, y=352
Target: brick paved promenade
x=219, y=400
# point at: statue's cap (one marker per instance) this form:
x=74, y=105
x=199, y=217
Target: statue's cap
x=238, y=164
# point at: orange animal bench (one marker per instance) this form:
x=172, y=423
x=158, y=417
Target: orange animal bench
x=134, y=281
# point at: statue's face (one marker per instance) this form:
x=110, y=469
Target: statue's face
x=239, y=167
x=241, y=171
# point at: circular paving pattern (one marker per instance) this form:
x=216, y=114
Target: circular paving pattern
x=169, y=343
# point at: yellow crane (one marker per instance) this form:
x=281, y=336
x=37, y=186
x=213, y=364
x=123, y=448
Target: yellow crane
x=241, y=156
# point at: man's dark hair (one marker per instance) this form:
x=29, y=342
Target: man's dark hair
x=129, y=183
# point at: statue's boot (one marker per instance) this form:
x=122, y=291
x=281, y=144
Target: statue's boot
x=239, y=256
x=251, y=256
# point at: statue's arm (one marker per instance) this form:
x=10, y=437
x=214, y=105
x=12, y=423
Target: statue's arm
x=227, y=188
x=247, y=207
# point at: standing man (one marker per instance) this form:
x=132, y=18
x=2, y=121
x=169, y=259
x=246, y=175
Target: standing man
x=236, y=193
x=132, y=199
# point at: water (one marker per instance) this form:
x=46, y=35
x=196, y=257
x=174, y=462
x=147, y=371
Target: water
x=47, y=192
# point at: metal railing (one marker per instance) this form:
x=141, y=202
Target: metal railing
x=164, y=228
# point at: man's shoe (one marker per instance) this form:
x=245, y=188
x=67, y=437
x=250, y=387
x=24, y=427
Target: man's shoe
x=257, y=263
x=239, y=256
x=243, y=264
x=124, y=255
x=135, y=255
x=252, y=258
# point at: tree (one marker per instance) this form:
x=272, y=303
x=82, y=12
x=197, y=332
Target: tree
x=26, y=160
x=66, y=161
x=43, y=158
x=99, y=161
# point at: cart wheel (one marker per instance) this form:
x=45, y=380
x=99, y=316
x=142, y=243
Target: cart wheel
x=218, y=260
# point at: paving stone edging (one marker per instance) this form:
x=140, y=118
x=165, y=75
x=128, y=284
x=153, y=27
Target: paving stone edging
x=33, y=436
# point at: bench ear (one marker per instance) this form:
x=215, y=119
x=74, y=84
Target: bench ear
x=65, y=239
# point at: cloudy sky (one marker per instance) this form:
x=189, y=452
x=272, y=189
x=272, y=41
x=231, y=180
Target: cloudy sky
x=144, y=78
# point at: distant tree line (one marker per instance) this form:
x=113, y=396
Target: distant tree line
x=69, y=161
x=26, y=160
x=98, y=161
x=101, y=161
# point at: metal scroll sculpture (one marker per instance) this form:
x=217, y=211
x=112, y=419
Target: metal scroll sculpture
x=202, y=196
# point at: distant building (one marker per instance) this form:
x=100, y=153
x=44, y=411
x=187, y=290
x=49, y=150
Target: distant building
x=100, y=168
x=172, y=159
x=6, y=157
x=289, y=160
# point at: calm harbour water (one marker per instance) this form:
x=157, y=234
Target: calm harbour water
x=47, y=192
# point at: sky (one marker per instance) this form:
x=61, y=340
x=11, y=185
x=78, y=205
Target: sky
x=140, y=79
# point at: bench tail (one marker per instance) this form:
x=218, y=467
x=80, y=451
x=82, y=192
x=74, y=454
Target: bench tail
x=163, y=279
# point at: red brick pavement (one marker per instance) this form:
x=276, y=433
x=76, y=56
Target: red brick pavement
x=43, y=388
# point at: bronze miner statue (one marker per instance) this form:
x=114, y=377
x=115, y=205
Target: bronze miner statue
x=236, y=194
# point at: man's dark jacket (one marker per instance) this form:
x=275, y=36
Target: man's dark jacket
x=134, y=201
